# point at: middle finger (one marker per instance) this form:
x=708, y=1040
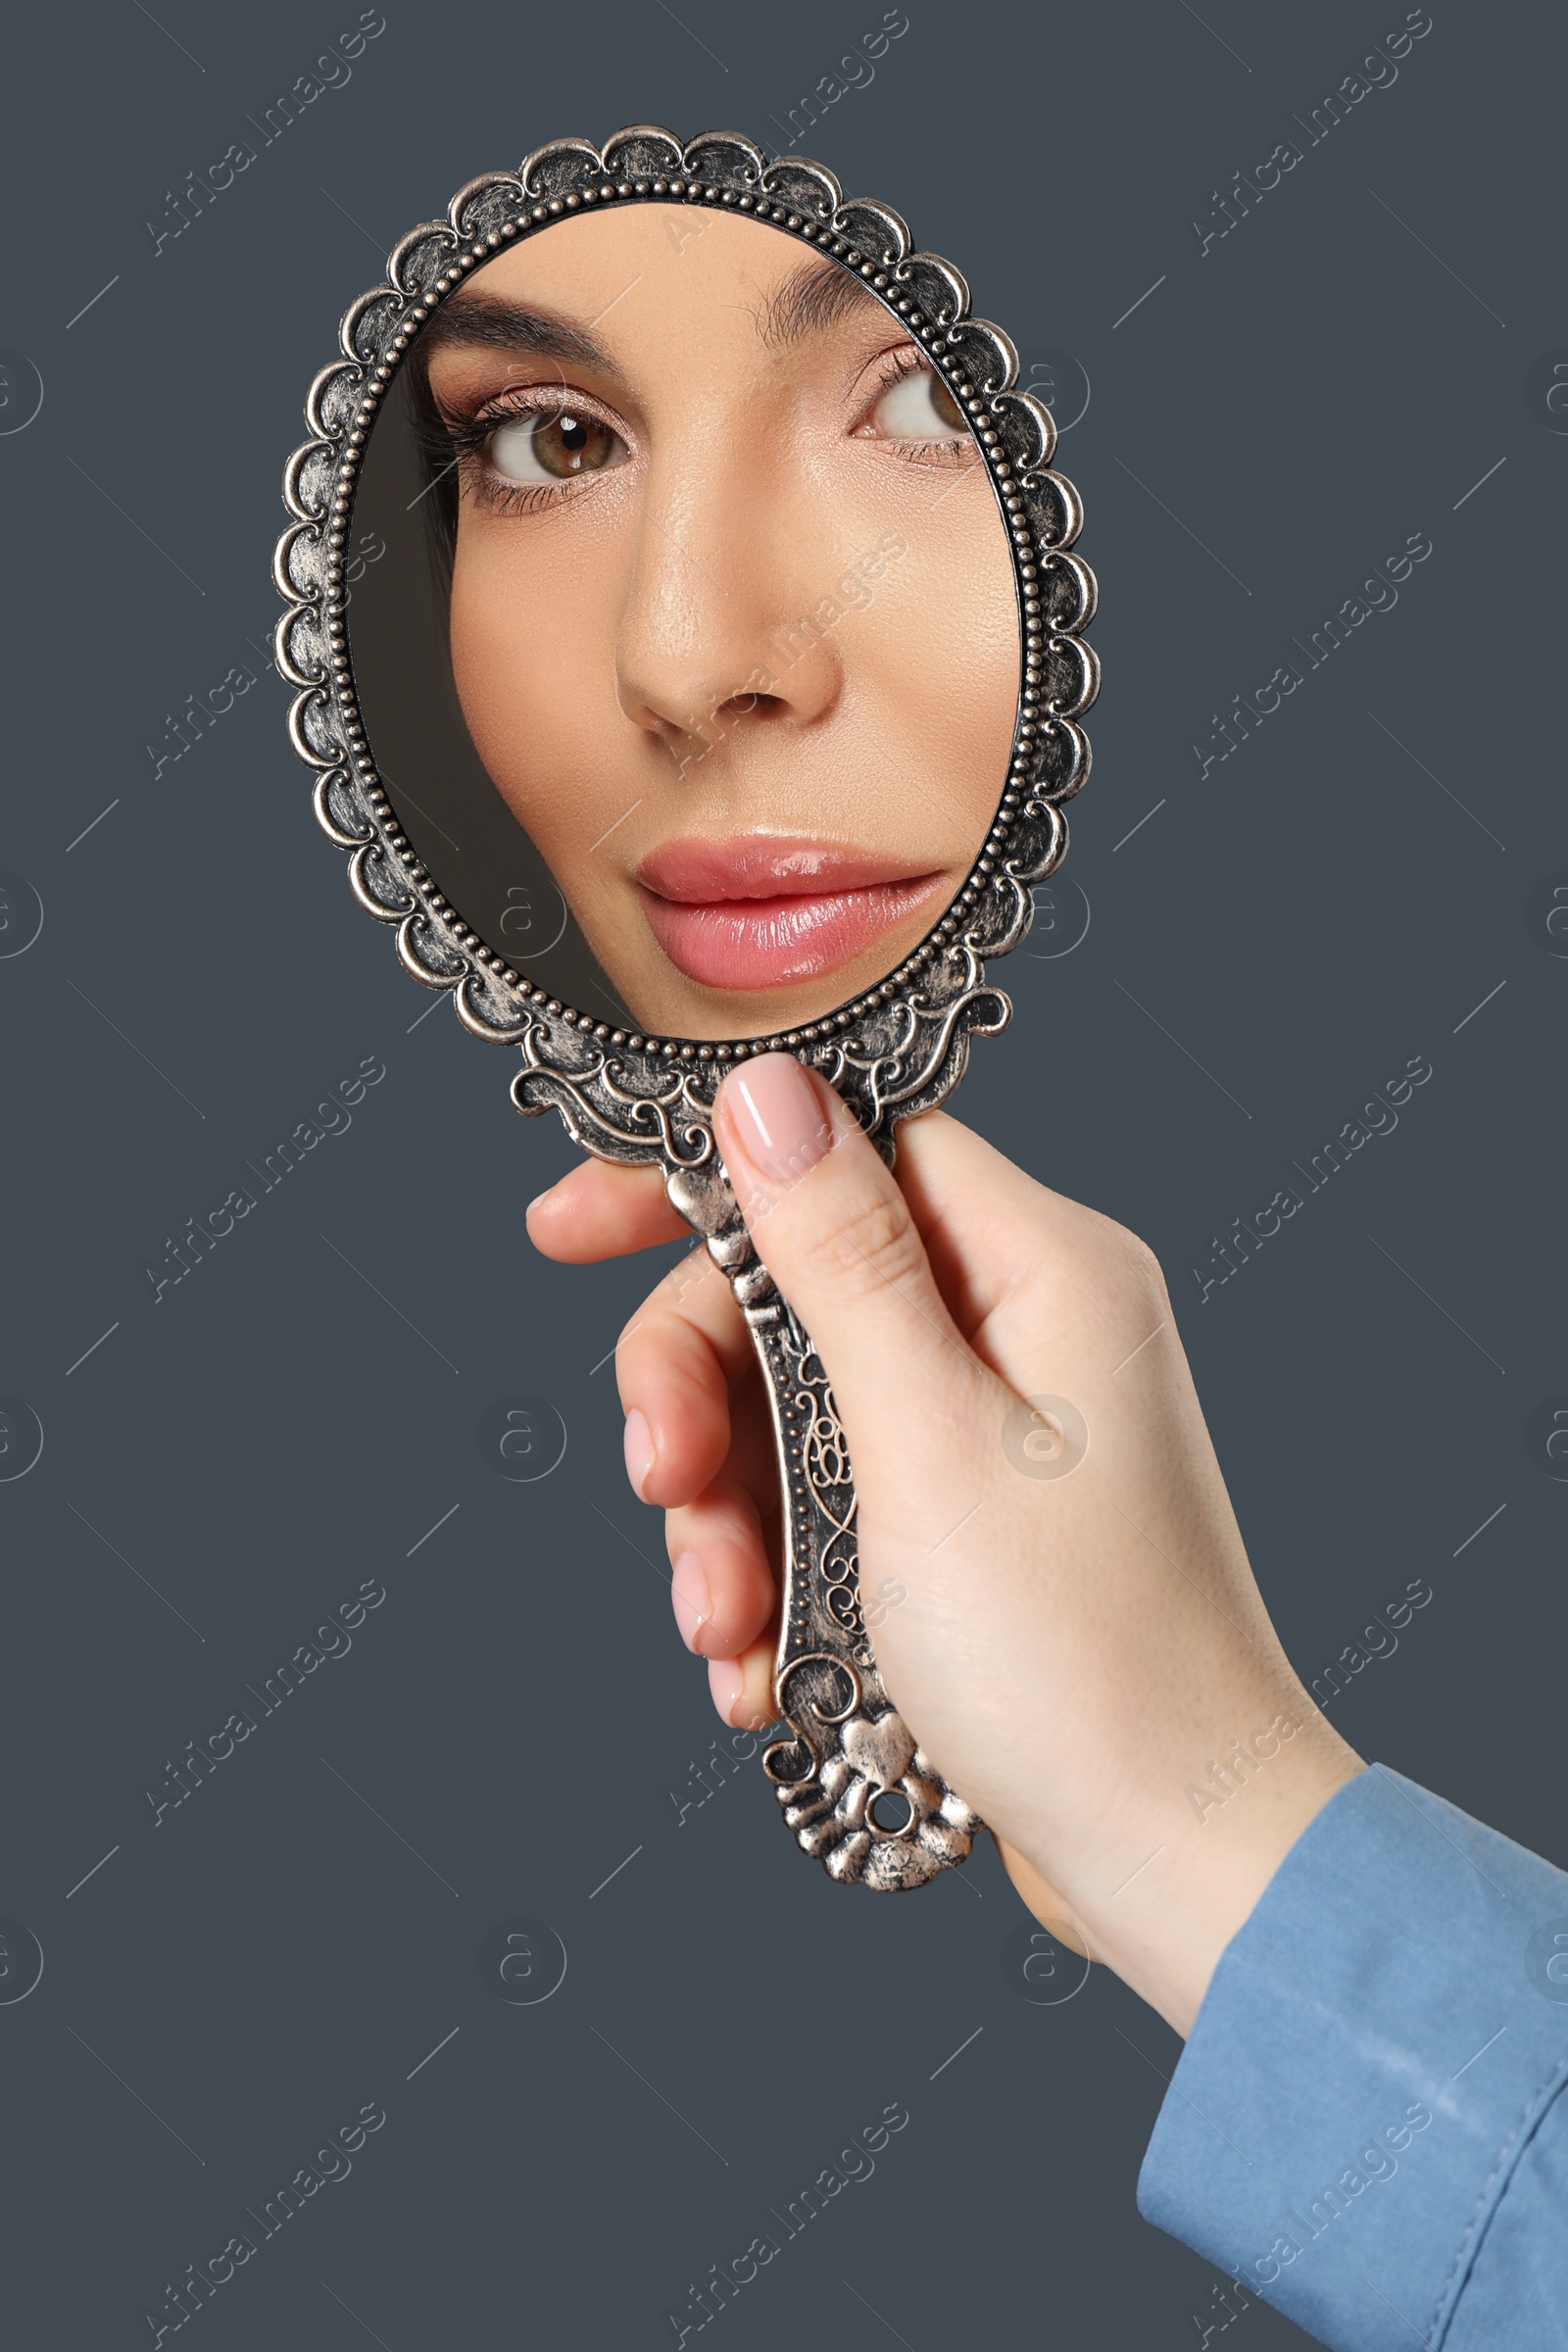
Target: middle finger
x=678, y=1362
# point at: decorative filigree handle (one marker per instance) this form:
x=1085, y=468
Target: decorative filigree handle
x=857, y=1791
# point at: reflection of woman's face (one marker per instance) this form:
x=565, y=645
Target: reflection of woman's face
x=733, y=621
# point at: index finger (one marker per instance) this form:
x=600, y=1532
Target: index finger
x=603, y=1209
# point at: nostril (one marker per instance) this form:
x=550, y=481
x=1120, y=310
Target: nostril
x=748, y=706
x=701, y=732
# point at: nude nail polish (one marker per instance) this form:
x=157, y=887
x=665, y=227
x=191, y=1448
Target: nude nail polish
x=637, y=1439
x=691, y=1597
x=724, y=1683
x=778, y=1117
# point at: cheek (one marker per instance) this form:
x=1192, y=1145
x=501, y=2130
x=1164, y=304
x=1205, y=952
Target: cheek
x=951, y=639
x=533, y=661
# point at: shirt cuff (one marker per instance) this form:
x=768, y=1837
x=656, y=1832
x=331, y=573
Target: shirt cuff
x=1375, y=2052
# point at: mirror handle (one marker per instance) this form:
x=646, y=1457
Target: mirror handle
x=851, y=1757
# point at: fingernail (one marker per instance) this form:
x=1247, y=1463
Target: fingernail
x=640, y=1457
x=778, y=1117
x=725, y=1682
x=692, y=1599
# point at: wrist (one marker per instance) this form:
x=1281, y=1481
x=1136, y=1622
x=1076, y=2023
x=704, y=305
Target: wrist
x=1205, y=1861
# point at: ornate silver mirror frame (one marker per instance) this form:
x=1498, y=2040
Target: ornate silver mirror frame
x=898, y=1050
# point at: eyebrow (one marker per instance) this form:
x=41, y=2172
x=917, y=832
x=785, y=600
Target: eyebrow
x=490, y=323
x=813, y=298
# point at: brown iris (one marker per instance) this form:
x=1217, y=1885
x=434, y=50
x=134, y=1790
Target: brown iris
x=560, y=444
x=945, y=407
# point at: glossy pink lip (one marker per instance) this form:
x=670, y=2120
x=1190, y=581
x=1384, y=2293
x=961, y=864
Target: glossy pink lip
x=763, y=910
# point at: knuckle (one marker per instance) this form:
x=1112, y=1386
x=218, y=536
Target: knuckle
x=872, y=1248
x=1142, y=1268
x=644, y=1346
x=687, y=1275
x=1128, y=1265
x=630, y=1330
x=666, y=1316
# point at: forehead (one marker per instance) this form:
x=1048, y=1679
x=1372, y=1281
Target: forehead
x=671, y=273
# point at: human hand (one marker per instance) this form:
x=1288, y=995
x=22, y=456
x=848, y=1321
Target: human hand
x=1078, y=1643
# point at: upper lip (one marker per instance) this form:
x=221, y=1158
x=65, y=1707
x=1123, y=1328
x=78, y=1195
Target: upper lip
x=701, y=872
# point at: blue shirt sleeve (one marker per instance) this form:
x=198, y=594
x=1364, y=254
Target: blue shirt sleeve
x=1367, y=2126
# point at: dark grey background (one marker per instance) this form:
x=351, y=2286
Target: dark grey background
x=221, y=1467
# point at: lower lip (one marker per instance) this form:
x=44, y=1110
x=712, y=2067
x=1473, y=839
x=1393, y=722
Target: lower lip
x=770, y=943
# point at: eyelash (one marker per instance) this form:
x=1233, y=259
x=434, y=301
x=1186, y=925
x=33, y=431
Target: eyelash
x=470, y=437
x=895, y=367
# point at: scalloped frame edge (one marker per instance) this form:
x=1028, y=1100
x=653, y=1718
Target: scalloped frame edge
x=902, y=1045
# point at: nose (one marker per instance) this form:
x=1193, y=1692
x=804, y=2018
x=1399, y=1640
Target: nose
x=722, y=630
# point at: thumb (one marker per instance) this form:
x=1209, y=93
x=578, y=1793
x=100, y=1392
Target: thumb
x=835, y=1232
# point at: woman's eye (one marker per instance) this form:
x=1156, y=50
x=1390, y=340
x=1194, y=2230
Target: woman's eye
x=918, y=407
x=552, y=446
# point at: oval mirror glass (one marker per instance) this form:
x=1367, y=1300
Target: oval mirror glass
x=682, y=621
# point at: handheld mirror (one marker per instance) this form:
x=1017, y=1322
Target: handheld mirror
x=688, y=643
